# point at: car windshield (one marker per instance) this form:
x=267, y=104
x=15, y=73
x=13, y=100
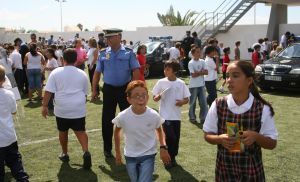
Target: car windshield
x=291, y=52
x=151, y=46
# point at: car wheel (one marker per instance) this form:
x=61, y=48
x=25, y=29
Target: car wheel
x=147, y=72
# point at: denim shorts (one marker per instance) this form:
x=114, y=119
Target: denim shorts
x=34, y=78
x=140, y=169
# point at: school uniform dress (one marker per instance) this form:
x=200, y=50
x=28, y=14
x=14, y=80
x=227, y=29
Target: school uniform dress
x=252, y=115
x=116, y=68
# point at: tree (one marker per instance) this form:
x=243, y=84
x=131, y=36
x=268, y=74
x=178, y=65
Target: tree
x=80, y=26
x=170, y=19
x=86, y=30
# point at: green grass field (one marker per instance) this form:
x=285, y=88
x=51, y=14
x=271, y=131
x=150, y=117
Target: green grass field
x=37, y=138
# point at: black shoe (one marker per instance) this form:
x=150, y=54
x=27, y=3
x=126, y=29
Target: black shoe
x=108, y=154
x=168, y=166
x=194, y=121
x=87, y=160
x=64, y=157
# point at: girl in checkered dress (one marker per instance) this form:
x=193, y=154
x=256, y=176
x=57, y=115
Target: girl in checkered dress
x=254, y=118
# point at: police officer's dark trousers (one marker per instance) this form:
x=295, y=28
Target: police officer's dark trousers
x=12, y=158
x=111, y=97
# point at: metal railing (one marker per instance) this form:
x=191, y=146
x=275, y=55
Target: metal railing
x=226, y=14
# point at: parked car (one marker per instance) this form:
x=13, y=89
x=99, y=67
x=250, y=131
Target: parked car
x=282, y=71
x=156, y=55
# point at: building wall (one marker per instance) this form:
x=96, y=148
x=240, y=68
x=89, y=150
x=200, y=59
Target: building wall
x=247, y=34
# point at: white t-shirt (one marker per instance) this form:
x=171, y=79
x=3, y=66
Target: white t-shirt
x=211, y=68
x=139, y=131
x=90, y=55
x=59, y=55
x=174, y=53
x=267, y=129
x=70, y=86
x=52, y=63
x=7, y=107
x=6, y=63
x=173, y=90
x=16, y=59
x=197, y=66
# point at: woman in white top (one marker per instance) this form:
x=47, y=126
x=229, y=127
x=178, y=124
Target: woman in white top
x=92, y=59
x=52, y=61
x=34, y=61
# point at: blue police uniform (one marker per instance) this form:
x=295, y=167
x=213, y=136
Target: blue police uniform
x=116, y=68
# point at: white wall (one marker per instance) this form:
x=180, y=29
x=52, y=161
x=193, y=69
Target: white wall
x=247, y=34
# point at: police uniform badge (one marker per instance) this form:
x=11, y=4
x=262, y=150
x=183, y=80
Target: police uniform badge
x=107, y=56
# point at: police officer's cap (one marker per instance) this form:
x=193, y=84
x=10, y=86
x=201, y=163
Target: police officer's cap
x=112, y=32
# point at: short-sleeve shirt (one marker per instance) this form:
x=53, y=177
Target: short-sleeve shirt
x=16, y=59
x=70, y=86
x=267, y=129
x=139, y=131
x=142, y=61
x=7, y=107
x=116, y=67
x=195, y=66
x=81, y=55
x=226, y=61
x=211, y=68
x=52, y=63
x=176, y=90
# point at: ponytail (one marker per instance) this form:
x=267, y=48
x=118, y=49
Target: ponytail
x=254, y=91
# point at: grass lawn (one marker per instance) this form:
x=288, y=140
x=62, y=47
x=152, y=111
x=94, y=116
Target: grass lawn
x=37, y=138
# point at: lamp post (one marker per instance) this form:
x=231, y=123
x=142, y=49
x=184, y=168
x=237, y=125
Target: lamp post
x=60, y=5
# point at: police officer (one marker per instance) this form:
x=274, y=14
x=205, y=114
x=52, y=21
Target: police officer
x=118, y=66
x=186, y=45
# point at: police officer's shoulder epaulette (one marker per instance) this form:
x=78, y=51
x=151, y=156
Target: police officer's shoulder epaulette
x=128, y=49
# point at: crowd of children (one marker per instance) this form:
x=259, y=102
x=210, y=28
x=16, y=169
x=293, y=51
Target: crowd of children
x=140, y=124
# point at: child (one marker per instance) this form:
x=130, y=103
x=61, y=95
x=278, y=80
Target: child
x=50, y=66
x=211, y=77
x=9, y=153
x=237, y=52
x=254, y=119
x=256, y=55
x=139, y=124
x=172, y=94
x=70, y=86
x=141, y=57
x=225, y=64
x=197, y=69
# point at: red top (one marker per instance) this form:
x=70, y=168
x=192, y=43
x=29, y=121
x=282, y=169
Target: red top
x=255, y=58
x=226, y=61
x=142, y=60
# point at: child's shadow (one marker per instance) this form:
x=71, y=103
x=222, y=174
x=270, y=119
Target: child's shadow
x=68, y=173
x=180, y=174
x=116, y=173
x=8, y=177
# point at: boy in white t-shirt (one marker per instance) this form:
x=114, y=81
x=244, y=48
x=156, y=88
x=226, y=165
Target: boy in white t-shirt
x=172, y=94
x=139, y=124
x=70, y=86
x=211, y=77
x=197, y=68
x=9, y=154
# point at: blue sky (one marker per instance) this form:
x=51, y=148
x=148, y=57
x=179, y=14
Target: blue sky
x=125, y=14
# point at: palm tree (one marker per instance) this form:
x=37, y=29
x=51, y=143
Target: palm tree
x=80, y=26
x=170, y=19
